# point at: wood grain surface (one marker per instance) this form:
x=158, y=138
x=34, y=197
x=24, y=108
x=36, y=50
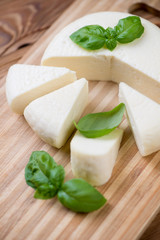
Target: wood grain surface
x=133, y=192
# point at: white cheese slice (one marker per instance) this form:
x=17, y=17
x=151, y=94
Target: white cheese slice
x=24, y=83
x=136, y=63
x=51, y=116
x=144, y=118
x=93, y=159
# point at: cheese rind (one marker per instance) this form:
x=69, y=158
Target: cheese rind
x=93, y=159
x=136, y=63
x=144, y=118
x=24, y=83
x=51, y=116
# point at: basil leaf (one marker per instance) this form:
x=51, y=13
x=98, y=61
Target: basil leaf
x=45, y=162
x=128, y=29
x=110, y=33
x=57, y=176
x=80, y=196
x=42, y=173
x=36, y=177
x=93, y=37
x=99, y=124
x=111, y=44
x=45, y=191
x=37, y=170
x=90, y=37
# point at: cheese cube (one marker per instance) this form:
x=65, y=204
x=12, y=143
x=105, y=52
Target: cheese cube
x=93, y=159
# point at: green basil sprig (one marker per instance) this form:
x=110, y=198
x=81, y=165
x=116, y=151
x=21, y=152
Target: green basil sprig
x=93, y=37
x=46, y=177
x=99, y=124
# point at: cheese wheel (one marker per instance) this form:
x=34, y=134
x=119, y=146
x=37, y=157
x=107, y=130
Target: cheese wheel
x=136, y=63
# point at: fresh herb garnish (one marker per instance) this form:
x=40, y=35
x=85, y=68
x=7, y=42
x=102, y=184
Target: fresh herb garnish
x=46, y=177
x=128, y=29
x=80, y=196
x=99, y=124
x=93, y=37
x=90, y=37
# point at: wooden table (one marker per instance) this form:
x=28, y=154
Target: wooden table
x=22, y=23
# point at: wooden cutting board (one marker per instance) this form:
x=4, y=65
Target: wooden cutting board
x=133, y=192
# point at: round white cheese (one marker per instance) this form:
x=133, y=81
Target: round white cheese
x=136, y=63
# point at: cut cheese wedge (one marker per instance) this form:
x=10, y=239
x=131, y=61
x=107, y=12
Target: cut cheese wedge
x=52, y=115
x=144, y=117
x=93, y=159
x=24, y=83
x=136, y=63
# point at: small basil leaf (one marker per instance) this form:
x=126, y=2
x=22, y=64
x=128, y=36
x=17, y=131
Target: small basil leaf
x=37, y=179
x=28, y=175
x=94, y=133
x=45, y=162
x=99, y=124
x=45, y=191
x=111, y=44
x=80, y=196
x=44, y=157
x=128, y=29
x=110, y=33
x=57, y=176
x=90, y=37
x=38, y=169
x=33, y=176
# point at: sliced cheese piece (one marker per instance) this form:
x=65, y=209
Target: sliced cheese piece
x=93, y=159
x=52, y=115
x=144, y=118
x=25, y=83
x=136, y=63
